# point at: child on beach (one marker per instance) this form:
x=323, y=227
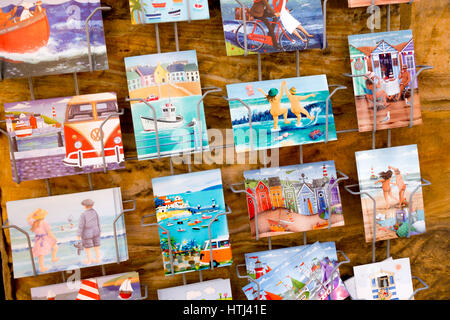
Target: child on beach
x=401, y=187
x=89, y=231
x=44, y=241
x=275, y=106
x=386, y=185
x=296, y=106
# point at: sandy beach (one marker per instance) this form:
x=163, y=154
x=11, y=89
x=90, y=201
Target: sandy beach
x=180, y=89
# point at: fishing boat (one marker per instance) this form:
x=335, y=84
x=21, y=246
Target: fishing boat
x=51, y=295
x=153, y=16
x=168, y=120
x=126, y=290
x=320, y=225
x=26, y=35
x=152, y=97
x=277, y=226
x=196, y=228
x=158, y=4
x=22, y=130
x=181, y=230
x=372, y=174
x=180, y=222
x=197, y=221
x=198, y=5
x=174, y=12
x=204, y=226
x=88, y=290
x=169, y=224
x=204, y=217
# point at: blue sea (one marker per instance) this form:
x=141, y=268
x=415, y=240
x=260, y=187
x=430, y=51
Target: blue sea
x=172, y=141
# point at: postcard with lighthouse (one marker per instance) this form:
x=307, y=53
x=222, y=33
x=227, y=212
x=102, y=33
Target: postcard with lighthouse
x=159, y=11
x=280, y=113
x=384, y=68
x=61, y=136
x=168, y=115
x=190, y=209
x=67, y=232
x=49, y=37
x=123, y=286
x=293, y=199
x=391, y=176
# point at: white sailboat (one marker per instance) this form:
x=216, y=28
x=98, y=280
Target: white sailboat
x=126, y=290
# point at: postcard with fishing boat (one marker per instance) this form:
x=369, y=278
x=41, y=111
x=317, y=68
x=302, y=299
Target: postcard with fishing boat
x=384, y=69
x=366, y=3
x=285, y=112
x=306, y=275
x=123, y=286
x=391, y=176
x=386, y=280
x=66, y=232
x=188, y=208
x=61, y=136
x=168, y=114
x=266, y=26
x=49, y=37
x=217, y=289
x=159, y=11
x=292, y=199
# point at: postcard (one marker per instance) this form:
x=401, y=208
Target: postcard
x=218, y=289
x=294, y=198
x=170, y=83
x=187, y=205
x=390, y=176
x=386, y=280
x=285, y=112
x=366, y=3
x=67, y=232
x=272, y=25
x=49, y=37
x=61, y=136
x=385, y=60
x=304, y=276
x=159, y=11
x=124, y=286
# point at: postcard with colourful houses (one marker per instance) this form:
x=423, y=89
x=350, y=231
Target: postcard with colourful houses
x=170, y=83
x=217, y=289
x=124, y=286
x=391, y=176
x=271, y=25
x=284, y=112
x=61, y=136
x=187, y=207
x=66, y=232
x=49, y=37
x=366, y=3
x=291, y=199
x=386, y=280
x=159, y=11
x=305, y=275
x=384, y=67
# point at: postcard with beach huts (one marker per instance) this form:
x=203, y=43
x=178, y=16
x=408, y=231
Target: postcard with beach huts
x=123, y=286
x=66, y=232
x=384, y=67
x=61, y=136
x=284, y=112
x=188, y=207
x=386, y=280
x=217, y=289
x=49, y=37
x=366, y=3
x=292, y=199
x=268, y=26
x=160, y=11
x=391, y=176
x=305, y=275
x=170, y=84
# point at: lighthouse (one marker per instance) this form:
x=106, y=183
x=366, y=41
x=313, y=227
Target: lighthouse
x=325, y=174
x=54, y=113
x=259, y=270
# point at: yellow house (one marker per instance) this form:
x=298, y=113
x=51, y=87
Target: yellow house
x=160, y=74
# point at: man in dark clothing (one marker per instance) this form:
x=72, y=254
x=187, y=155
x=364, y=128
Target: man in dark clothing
x=262, y=10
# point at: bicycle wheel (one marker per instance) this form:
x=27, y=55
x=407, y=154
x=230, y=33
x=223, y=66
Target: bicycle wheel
x=256, y=30
x=290, y=42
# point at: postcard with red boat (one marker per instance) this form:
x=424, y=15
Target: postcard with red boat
x=61, y=136
x=158, y=11
x=266, y=26
x=293, y=199
x=123, y=286
x=49, y=37
x=384, y=68
x=366, y=3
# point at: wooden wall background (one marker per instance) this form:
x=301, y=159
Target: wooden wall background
x=429, y=253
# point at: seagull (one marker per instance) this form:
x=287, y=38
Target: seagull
x=388, y=117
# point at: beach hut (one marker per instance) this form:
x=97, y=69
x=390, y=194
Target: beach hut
x=383, y=286
x=263, y=197
x=290, y=200
x=335, y=196
x=306, y=200
x=276, y=192
x=250, y=203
